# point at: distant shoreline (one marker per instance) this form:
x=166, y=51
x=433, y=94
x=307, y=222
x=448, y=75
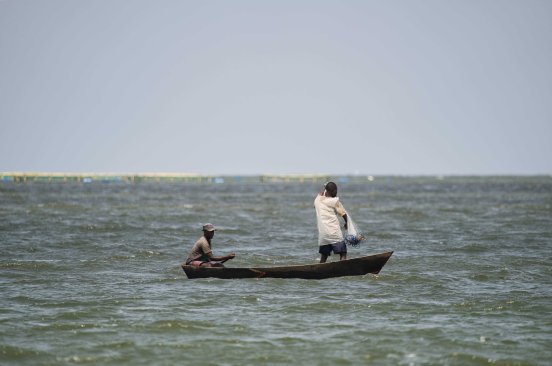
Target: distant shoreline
x=23, y=177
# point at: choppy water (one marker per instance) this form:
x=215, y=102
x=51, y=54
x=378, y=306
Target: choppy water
x=89, y=274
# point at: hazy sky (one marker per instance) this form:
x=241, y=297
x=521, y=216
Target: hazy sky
x=253, y=87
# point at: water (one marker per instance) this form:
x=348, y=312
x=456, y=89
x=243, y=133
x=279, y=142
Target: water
x=89, y=274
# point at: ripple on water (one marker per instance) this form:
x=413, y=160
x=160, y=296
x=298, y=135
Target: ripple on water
x=90, y=274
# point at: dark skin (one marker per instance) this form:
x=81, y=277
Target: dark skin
x=221, y=259
x=332, y=192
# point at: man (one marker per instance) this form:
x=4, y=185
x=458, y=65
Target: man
x=201, y=253
x=330, y=238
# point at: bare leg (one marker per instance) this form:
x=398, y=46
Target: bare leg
x=323, y=258
x=342, y=256
x=212, y=264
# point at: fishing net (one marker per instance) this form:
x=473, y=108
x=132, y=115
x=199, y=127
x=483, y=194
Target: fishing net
x=353, y=237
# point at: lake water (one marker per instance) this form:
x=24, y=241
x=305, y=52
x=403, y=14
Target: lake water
x=90, y=274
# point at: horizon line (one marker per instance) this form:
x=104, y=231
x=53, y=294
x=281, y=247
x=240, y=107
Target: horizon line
x=298, y=175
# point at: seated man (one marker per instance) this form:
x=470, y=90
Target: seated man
x=201, y=253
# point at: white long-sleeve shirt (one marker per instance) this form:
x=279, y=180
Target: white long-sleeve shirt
x=329, y=229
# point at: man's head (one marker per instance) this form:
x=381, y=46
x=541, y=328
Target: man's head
x=331, y=189
x=208, y=230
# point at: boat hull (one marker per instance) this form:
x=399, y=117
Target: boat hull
x=350, y=267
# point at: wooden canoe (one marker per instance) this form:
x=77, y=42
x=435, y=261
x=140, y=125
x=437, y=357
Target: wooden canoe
x=349, y=267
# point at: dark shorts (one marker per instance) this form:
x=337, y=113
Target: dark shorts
x=337, y=248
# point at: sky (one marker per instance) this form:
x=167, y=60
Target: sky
x=414, y=87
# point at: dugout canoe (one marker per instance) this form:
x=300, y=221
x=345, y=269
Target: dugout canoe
x=349, y=267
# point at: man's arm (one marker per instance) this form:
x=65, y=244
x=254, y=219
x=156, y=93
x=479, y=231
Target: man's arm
x=341, y=211
x=223, y=258
x=346, y=221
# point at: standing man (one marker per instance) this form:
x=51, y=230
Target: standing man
x=201, y=253
x=330, y=237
